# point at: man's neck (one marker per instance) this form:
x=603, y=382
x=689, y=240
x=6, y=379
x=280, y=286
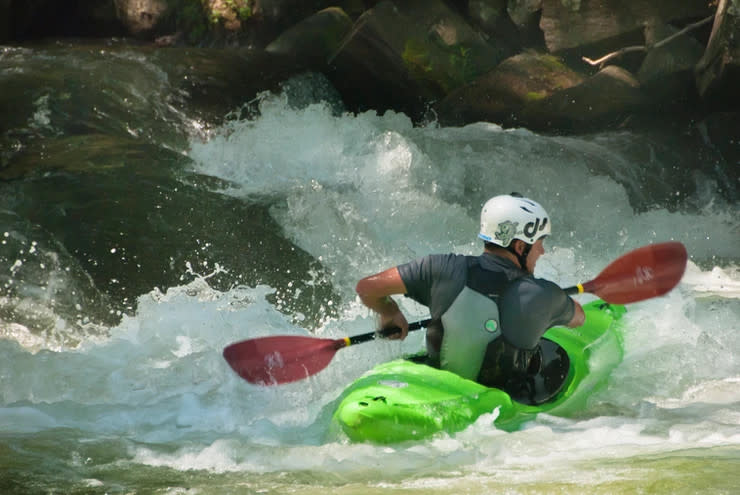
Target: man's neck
x=503, y=253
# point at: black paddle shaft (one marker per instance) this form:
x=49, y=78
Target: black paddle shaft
x=386, y=332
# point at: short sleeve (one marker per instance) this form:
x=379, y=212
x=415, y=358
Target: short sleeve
x=529, y=307
x=434, y=280
x=417, y=277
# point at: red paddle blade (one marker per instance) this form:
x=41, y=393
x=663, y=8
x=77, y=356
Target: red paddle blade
x=280, y=359
x=646, y=272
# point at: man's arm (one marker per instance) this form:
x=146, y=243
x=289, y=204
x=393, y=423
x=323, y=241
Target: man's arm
x=375, y=292
x=530, y=306
x=579, y=317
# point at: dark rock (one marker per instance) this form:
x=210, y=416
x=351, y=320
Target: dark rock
x=667, y=72
x=487, y=14
x=593, y=26
x=22, y=20
x=603, y=101
x=502, y=93
x=403, y=55
x=270, y=18
x=313, y=40
x=718, y=71
x=174, y=39
x=492, y=18
x=525, y=14
x=142, y=18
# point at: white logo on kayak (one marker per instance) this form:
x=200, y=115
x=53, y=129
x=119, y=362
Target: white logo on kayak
x=643, y=274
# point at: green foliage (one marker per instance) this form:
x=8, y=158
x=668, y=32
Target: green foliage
x=463, y=69
x=553, y=63
x=416, y=57
x=197, y=18
x=190, y=18
x=450, y=67
x=535, y=95
x=242, y=8
x=226, y=10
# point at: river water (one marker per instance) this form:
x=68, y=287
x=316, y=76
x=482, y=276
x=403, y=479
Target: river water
x=143, y=227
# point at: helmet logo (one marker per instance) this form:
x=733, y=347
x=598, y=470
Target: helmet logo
x=533, y=227
x=506, y=232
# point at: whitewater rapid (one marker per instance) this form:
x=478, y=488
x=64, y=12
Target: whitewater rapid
x=152, y=395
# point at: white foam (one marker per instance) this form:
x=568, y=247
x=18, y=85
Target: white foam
x=719, y=281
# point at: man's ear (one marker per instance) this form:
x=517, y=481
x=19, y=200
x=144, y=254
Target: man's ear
x=518, y=245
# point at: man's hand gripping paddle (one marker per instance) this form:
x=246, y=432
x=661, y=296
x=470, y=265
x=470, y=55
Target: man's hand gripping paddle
x=646, y=272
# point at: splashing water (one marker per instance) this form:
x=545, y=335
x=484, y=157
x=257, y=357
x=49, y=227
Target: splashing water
x=150, y=398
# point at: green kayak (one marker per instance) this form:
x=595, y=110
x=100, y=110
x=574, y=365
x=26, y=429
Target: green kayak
x=403, y=400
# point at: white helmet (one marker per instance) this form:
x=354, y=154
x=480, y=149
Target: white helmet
x=508, y=217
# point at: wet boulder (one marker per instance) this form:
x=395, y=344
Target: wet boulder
x=667, y=71
x=501, y=94
x=592, y=27
x=493, y=20
x=142, y=18
x=525, y=14
x=312, y=41
x=270, y=18
x=403, y=55
x=718, y=71
x=604, y=100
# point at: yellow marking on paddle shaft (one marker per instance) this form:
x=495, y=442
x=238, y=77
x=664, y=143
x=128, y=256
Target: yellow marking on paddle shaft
x=346, y=342
x=580, y=288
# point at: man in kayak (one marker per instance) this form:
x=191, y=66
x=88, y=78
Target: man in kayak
x=488, y=312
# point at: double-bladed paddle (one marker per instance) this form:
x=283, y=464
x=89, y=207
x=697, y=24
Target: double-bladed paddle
x=646, y=272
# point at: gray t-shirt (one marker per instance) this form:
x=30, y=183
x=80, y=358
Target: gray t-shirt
x=528, y=306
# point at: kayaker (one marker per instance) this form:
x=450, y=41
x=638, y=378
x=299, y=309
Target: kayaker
x=488, y=312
